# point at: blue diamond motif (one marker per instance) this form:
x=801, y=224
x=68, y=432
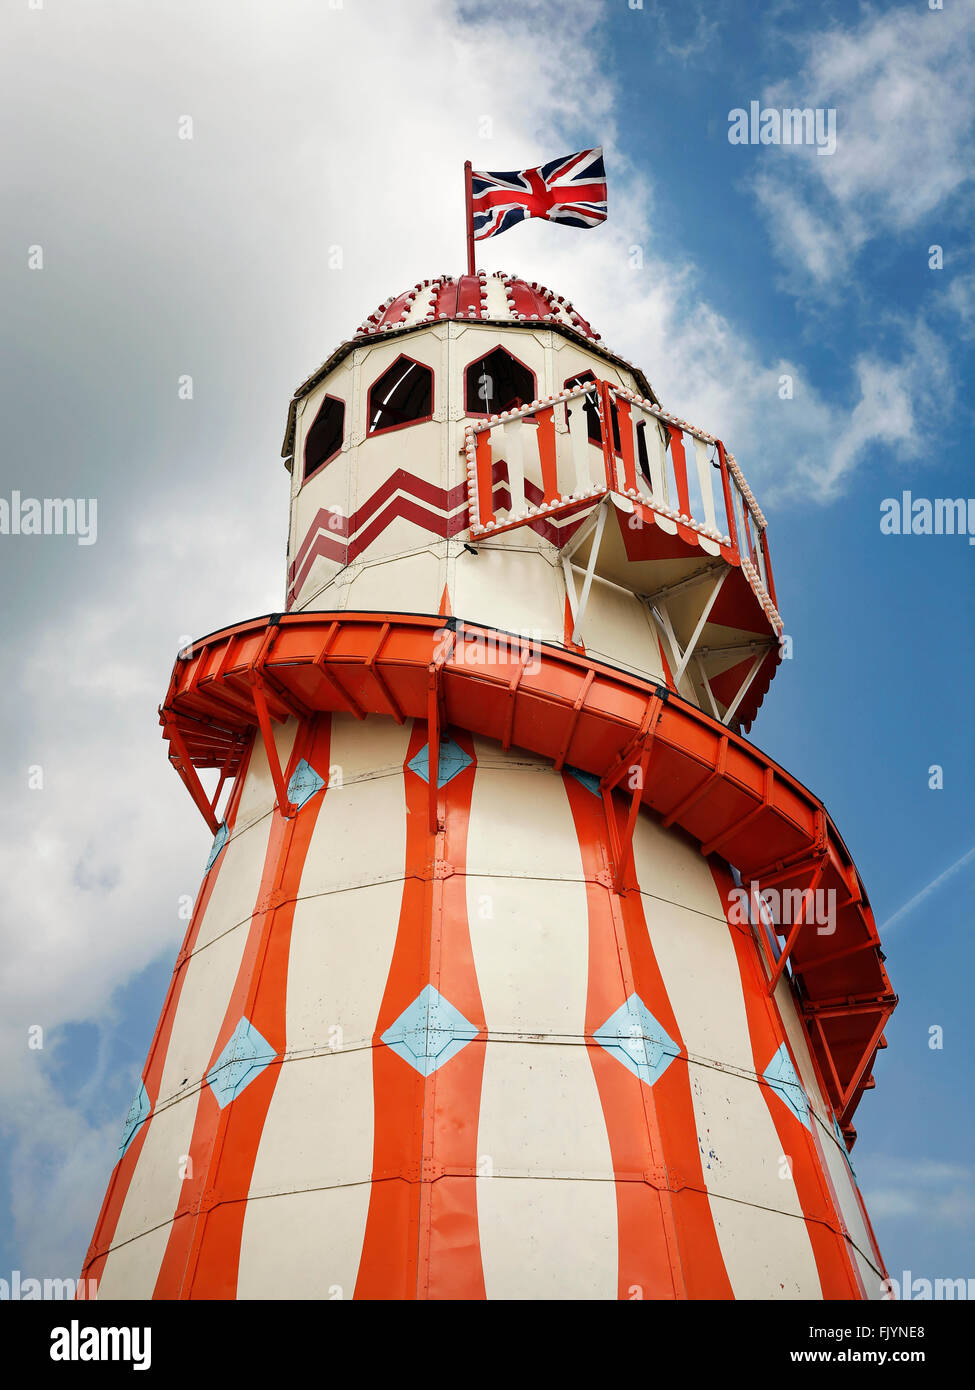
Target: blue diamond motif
x=781, y=1076
x=305, y=782
x=453, y=759
x=588, y=779
x=245, y=1056
x=429, y=1032
x=634, y=1037
x=219, y=840
x=138, y=1112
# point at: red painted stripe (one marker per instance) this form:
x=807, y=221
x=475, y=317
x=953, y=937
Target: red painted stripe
x=668, y=1246
x=421, y=1238
x=838, y=1273
x=447, y=499
x=547, y=455
x=469, y=296
x=626, y=443
x=446, y=302
x=450, y=1250
x=680, y=473
x=526, y=300
x=394, y=314
x=118, y=1187
x=486, y=475
x=401, y=507
x=203, y=1250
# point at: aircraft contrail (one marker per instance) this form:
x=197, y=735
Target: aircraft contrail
x=932, y=886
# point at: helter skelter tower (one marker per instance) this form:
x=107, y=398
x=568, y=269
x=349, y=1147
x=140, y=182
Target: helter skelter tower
x=468, y=1005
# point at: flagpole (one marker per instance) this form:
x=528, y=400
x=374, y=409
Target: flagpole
x=469, y=201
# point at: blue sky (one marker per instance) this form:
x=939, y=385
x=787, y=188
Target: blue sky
x=209, y=257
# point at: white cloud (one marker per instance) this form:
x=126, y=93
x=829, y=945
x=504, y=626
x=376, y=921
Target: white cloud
x=939, y=1193
x=901, y=84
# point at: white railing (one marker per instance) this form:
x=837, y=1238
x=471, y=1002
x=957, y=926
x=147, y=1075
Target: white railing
x=545, y=453
x=552, y=455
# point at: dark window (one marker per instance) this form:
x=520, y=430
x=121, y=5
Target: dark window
x=325, y=436
x=402, y=396
x=641, y=451
x=590, y=406
x=498, y=382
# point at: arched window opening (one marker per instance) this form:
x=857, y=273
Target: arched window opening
x=403, y=395
x=590, y=406
x=324, y=439
x=497, y=382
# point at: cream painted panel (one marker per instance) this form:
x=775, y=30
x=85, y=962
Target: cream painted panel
x=491, y=754
x=670, y=867
x=155, y=1187
x=409, y=583
x=203, y=999
x=131, y=1270
x=616, y=627
x=540, y=1112
x=571, y=360
x=521, y=827
x=368, y=748
x=323, y=588
x=240, y=870
x=319, y=1127
x=843, y=1185
x=705, y=996
x=764, y=1252
x=341, y=950
x=531, y=954
x=414, y=448
x=873, y=1281
x=305, y=1246
x=548, y=1239
x=360, y=836
x=497, y=298
x=740, y=1146
x=258, y=795
x=328, y=489
x=510, y=589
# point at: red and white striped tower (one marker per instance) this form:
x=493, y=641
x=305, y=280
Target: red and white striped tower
x=470, y=1005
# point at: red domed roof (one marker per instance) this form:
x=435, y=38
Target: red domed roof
x=494, y=298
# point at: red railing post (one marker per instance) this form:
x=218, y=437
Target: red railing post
x=769, y=581
x=485, y=479
x=609, y=456
x=626, y=444
x=545, y=420
x=729, y=505
x=680, y=468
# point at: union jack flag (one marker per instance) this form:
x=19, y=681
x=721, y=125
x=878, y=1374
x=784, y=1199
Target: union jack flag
x=570, y=190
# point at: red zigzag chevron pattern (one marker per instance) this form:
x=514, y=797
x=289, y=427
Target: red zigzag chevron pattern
x=441, y=511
